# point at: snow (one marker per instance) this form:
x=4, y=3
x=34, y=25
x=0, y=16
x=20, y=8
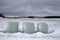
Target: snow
x=36, y=36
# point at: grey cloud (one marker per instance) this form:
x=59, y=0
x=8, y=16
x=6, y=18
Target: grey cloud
x=30, y=7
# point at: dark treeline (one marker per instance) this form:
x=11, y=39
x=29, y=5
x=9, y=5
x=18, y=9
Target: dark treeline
x=43, y=17
x=52, y=17
x=1, y=15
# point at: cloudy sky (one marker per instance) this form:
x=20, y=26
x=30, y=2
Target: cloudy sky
x=30, y=7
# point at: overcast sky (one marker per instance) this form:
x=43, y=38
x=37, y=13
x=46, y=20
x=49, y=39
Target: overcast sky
x=30, y=7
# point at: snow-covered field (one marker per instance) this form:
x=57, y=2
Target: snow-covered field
x=36, y=36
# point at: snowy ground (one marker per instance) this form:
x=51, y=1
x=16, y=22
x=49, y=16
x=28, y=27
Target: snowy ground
x=36, y=36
